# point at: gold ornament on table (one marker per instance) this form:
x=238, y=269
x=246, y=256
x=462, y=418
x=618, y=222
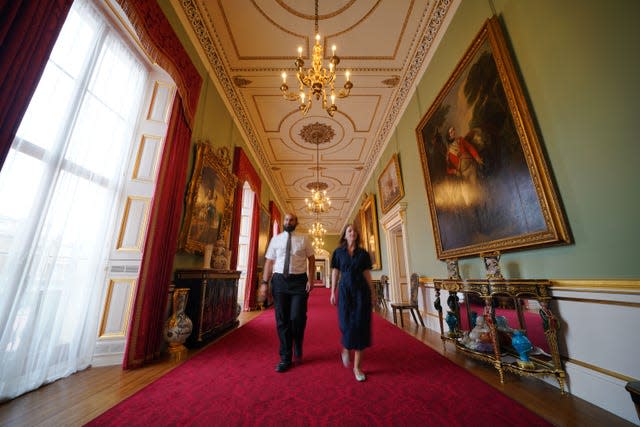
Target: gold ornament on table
x=491, y=262
x=453, y=270
x=220, y=256
x=318, y=82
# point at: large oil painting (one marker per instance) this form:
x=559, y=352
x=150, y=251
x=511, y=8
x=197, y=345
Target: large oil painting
x=209, y=202
x=486, y=177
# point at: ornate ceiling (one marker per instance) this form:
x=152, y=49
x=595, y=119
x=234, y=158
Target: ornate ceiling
x=385, y=44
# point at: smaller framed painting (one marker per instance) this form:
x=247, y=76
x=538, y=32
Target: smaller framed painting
x=264, y=235
x=369, y=231
x=390, y=185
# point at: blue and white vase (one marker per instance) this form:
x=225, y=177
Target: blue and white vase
x=452, y=322
x=474, y=319
x=523, y=346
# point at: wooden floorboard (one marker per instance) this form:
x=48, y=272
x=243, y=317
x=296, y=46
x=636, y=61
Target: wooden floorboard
x=77, y=399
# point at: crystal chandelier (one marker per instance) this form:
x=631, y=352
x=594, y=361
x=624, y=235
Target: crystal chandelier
x=317, y=243
x=316, y=80
x=319, y=202
x=317, y=232
x=317, y=229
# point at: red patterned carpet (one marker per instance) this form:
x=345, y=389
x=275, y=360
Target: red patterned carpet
x=233, y=383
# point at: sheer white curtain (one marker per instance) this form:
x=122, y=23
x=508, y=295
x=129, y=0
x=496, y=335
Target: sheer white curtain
x=58, y=192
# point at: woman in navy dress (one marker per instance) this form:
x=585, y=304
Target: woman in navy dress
x=353, y=265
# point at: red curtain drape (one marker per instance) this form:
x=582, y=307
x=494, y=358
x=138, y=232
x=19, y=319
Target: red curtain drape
x=162, y=239
x=163, y=47
x=28, y=32
x=275, y=215
x=244, y=170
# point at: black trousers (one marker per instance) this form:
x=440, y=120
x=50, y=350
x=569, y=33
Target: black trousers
x=290, y=300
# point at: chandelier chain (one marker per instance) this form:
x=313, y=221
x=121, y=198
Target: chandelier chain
x=316, y=26
x=319, y=202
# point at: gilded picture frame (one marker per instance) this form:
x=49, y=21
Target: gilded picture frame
x=390, y=185
x=264, y=235
x=209, y=200
x=486, y=177
x=369, y=238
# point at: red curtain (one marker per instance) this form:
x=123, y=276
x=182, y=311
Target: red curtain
x=28, y=31
x=162, y=239
x=275, y=215
x=244, y=170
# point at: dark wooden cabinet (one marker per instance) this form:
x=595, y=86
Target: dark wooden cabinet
x=213, y=302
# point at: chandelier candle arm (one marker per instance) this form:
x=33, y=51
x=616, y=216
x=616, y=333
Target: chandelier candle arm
x=317, y=82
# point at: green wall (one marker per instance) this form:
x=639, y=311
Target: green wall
x=579, y=65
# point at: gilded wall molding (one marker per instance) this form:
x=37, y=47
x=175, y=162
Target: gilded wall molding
x=609, y=285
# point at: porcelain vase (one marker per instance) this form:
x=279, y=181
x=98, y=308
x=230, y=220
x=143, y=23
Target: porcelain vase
x=178, y=327
x=523, y=346
x=452, y=322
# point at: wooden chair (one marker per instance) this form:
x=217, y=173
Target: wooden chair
x=412, y=305
x=381, y=287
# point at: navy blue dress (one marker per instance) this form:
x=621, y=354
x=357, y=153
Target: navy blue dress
x=354, y=297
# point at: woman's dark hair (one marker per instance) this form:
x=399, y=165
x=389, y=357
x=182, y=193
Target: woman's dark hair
x=343, y=239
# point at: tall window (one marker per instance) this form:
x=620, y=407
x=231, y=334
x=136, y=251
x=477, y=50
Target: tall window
x=244, y=240
x=58, y=193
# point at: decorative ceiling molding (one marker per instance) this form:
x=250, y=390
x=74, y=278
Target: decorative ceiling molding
x=282, y=141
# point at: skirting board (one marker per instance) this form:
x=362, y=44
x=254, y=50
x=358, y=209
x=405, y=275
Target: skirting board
x=599, y=389
x=107, y=360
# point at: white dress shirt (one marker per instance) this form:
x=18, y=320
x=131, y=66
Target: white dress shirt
x=301, y=249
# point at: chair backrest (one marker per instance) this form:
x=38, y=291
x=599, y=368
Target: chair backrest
x=384, y=282
x=415, y=284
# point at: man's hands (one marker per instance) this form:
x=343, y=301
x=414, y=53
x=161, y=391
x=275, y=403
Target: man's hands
x=262, y=292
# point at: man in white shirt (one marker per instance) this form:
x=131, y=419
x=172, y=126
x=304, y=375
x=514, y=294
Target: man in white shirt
x=290, y=285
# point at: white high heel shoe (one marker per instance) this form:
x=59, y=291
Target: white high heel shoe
x=360, y=376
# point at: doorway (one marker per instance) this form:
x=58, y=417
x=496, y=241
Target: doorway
x=395, y=231
x=322, y=272
x=244, y=240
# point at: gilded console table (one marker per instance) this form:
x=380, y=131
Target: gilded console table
x=212, y=304
x=522, y=302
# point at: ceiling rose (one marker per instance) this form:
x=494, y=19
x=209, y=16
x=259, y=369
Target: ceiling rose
x=317, y=133
x=318, y=186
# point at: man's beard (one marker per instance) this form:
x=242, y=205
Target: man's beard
x=289, y=228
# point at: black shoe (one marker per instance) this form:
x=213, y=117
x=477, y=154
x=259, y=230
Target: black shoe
x=283, y=366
